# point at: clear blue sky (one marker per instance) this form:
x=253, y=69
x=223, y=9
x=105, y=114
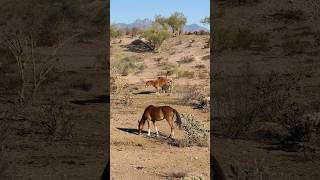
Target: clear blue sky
x=127, y=11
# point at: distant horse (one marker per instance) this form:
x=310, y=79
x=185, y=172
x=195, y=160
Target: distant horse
x=160, y=84
x=158, y=113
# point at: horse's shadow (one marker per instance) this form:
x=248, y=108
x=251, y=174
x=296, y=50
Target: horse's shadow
x=96, y=100
x=144, y=92
x=131, y=130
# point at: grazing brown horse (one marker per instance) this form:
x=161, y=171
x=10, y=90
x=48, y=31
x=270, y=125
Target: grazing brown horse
x=159, y=84
x=158, y=113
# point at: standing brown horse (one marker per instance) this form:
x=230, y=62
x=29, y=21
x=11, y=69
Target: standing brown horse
x=159, y=83
x=158, y=113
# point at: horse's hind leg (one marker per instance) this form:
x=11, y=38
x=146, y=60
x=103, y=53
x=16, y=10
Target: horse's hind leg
x=170, y=121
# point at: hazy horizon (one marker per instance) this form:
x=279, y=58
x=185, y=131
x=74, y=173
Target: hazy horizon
x=128, y=11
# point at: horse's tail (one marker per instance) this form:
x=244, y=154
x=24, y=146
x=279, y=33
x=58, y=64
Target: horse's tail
x=178, y=119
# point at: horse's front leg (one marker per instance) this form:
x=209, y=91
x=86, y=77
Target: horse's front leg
x=154, y=123
x=149, y=130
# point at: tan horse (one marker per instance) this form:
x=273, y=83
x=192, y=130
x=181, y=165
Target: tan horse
x=158, y=113
x=160, y=84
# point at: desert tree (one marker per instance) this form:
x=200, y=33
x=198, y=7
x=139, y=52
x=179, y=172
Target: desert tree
x=206, y=20
x=156, y=35
x=176, y=21
x=163, y=21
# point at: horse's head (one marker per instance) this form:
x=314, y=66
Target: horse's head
x=148, y=83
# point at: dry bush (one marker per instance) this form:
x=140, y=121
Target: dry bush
x=82, y=84
x=192, y=96
x=117, y=82
x=200, y=66
x=236, y=38
x=292, y=47
x=185, y=74
x=288, y=16
x=127, y=100
x=102, y=61
x=186, y=59
x=195, y=134
x=128, y=65
x=56, y=119
x=206, y=57
x=256, y=172
x=176, y=175
x=253, y=100
x=178, y=71
x=4, y=132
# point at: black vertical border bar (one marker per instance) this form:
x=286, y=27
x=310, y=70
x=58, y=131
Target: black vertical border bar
x=106, y=173
x=212, y=7
x=216, y=172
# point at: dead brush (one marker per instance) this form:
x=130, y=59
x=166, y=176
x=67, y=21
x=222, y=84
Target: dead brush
x=127, y=100
x=258, y=171
x=56, y=120
x=82, y=84
x=102, y=61
x=195, y=134
x=4, y=133
x=192, y=96
x=117, y=83
x=186, y=60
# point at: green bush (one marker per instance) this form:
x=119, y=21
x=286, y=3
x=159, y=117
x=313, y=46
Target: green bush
x=115, y=32
x=156, y=36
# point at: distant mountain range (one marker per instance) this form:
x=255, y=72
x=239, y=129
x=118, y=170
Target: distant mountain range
x=147, y=23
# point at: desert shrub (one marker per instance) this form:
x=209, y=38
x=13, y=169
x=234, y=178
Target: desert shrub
x=292, y=47
x=177, y=175
x=256, y=172
x=128, y=65
x=195, y=134
x=156, y=36
x=117, y=82
x=288, y=15
x=7, y=61
x=192, y=95
x=51, y=21
x=235, y=38
x=115, y=32
x=127, y=100
x=4, y=132
x=56, y=119
x=256, y=99
x=135, y=31
x=102, y=61
x=186, y=59
x=82, y=84
x=200, y=66
x=185, y=74
x=178, y=72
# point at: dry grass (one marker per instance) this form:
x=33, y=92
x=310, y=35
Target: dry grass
x=292, y=47
x=186, y=59
x=288, y=15
x=195, y=135
x=82, y=84
x=4, y=132
x=128, y=65
x=56, y=120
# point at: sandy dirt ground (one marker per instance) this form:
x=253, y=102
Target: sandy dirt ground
x=142, y=157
